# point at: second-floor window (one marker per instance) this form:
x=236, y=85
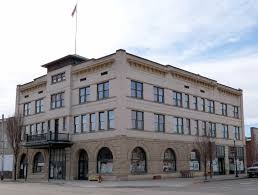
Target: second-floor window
x=57, y=100
x=39, y=106
x=103, y=90
x=196, y=127
x=236, y=111
x=58, y=78
x=237, y=133
x=92, y=122
x=178, y=125
x=85, y=122
x=211, y=108
x=102, y=120
x=204, y=128
x=136, y=89
x=224, y=110
x=84, y=94
x=212, y=129
x=158, y=94
x=177, y=99
x=188, y=126
x=27, y=109
x=225, y=134
x=111, y=119
x=159, y=122
x=77, y=124
x=137, y=120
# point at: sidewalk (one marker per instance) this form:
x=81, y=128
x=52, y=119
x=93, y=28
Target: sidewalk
x=169, y=183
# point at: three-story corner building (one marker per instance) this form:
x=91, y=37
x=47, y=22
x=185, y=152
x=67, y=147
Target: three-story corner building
x=125, y=117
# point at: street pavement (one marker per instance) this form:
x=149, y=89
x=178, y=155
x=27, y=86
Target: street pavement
x=163, y=187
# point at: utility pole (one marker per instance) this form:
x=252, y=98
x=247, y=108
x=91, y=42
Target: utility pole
x=3, y=144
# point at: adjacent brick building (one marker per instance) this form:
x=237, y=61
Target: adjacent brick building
x=125, y=117
x=252, y=147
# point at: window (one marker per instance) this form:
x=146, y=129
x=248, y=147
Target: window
x=58, y=78
x=38, y=128
x=38, y=163
x=158, y=94
x=195, y=102
x=169, y=161
x=237, y=133
x=177, y=99
x=187, y=101
x=57, y=100
x=27, y=109
x=178, y=125
x=204, y=128
x=138, y=161
x=235, y=111
x=32, y=129
x=224, y=110
x=137, y=120
x=77, y=124
x=212, y=129
x=27, y=130
x=188, y=126
x=195, y=161
x=136, y=89
x=203, y=104
x=103, y=90
x=44, y=127
x=64, y=124
x=105, y=161
x=159, y=122
x=225, y=131
x=85, y=123
x=39, y=106
x=102, y=120
x=211, y=108
x=84, y=94
x=111, y=119
x=196, y=127
x=92, y=122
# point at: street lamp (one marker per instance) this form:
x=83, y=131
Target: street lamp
x=235, y=156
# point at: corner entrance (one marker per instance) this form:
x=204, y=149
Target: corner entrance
x=83, y=165
x=57, y=162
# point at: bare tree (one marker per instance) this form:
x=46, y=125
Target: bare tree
x=14, y=136
x=204, y=145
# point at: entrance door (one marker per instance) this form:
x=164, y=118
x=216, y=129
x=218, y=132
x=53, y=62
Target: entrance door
x=56, y=129
x=23, y=167
x=83, y=166
x=221, y=165
x=57, y=166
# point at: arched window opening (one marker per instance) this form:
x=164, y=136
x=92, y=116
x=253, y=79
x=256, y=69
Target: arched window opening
x=105, y=161
x=38, y=163
x=169, y=161
x=138, y=161
x=195, y=163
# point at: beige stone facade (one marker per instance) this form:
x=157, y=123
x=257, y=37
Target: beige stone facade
x=117, y=116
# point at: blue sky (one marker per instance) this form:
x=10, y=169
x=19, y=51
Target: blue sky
x=218, y=39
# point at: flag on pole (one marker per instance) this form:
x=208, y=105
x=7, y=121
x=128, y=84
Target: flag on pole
x=74, y=10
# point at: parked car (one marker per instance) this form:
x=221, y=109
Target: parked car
x=253, y=170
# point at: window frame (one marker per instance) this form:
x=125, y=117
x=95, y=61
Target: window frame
x=136, y=121
x=135, y=88
x=103, y=88
x=158, y=93
x=85, y=97
x=158, y=124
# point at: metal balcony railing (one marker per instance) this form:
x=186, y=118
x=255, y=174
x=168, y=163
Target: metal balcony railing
x=48, y=137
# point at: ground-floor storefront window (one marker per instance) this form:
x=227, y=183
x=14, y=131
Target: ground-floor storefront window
x=236, y=160
x=105, y=161
x=83, y=165
x=195, y=161
x=138, y=161
x=57, y=167
x=38, y=163
x=169, y=161
x=23, y=167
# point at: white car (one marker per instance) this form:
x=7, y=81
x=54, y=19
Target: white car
x=253, y=170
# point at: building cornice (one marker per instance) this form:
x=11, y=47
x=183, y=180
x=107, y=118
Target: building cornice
x=94, y=66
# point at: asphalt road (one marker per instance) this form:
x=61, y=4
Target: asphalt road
x=236, y=187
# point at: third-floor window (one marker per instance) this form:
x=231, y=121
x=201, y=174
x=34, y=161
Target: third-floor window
x=158, y=94
x=27, y=109
x=195, y=102
x=39, y=106
x=212, y=129
x=203, y=104
x=224, y=110
x=103, y=90
x=235, y=111
x=177, y=99
x=187, y=101
x=84, y=94
x=136, y=89
x=225, y=133
x=211, y=108
x=57, y=100
x=237, y=133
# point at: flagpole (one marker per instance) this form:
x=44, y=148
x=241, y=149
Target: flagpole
x=76, y=26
